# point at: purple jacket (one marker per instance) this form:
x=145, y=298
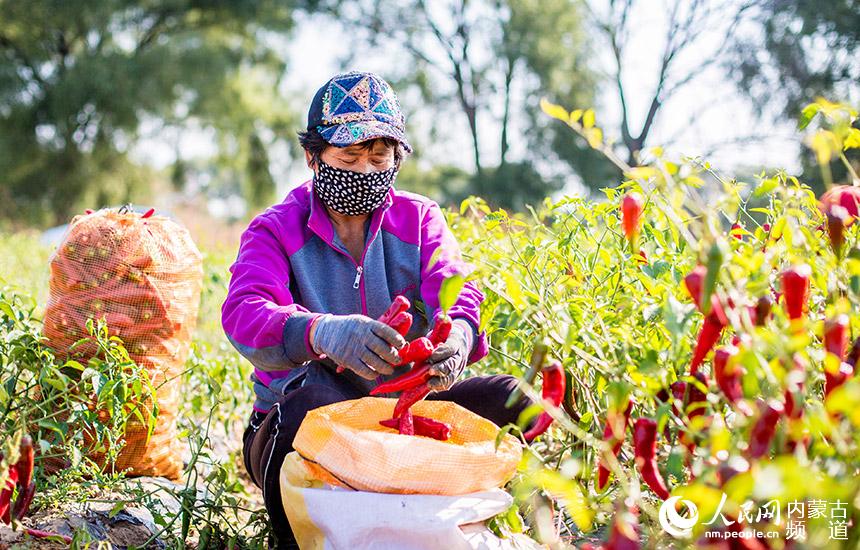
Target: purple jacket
x=292, y=267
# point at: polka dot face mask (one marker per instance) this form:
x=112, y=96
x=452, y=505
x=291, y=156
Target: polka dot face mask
x=352, y=193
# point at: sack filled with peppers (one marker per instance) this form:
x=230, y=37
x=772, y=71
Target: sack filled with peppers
x=143, y=275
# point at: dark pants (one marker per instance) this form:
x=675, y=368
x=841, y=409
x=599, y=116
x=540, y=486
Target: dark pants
x=269, y=437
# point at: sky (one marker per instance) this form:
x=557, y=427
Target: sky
x=707, y=116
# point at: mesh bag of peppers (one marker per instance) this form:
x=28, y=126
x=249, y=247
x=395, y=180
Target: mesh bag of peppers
x=143, y=274
x=345, y=445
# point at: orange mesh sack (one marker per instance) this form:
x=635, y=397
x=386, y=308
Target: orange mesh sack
x=143, y=275
x=343, y=444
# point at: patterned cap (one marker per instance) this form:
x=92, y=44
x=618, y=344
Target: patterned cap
x=357, y=106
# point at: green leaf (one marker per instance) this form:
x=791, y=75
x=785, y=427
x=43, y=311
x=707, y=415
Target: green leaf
x=807, y=114
x=450, y=291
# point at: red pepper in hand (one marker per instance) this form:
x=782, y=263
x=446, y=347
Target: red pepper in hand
x=401, y=322
x=409, y=398
x=614, y=433
x=417, y=375
x=631, y=215
x=795, y=289
x=553, y=391
x=399, y=305
x=416, y=351
x=728, y=376
x=645, y=449
x=765, y=428
x=441, y=330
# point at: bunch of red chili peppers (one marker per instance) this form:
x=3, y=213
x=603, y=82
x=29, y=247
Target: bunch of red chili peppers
x=414, y=384
x=20, y=476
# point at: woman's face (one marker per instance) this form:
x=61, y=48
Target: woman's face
x=360, y=157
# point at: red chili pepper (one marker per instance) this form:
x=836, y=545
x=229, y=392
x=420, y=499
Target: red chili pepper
x=625, y=529
x=614, y=433
x=39, y=534
x=6, y=496
x=846, y=196
x=148, y=213
x=395, y=317
x=763, y=307
x=794, y=387
x=835, y=380
x=835, y=342
x=25, y=498
x=631, y=215
x=795, y=288
x=837, y=219
x=728, y=376
x=424, y=426
x=737, y=231
x=416, y=351
x=417, y=375
x=401, y=322
x=696, y=398
x=695, y=282
x=765, y=428
x=23, y=473
x=853, y=353
x=399, y=305
x=708, y=337
x=25, y=461
x=645, y=449
x=553, y=391
x=836, y=335
x=694, y=406
x=441, y=330
x=409, y=398
x=406, y=424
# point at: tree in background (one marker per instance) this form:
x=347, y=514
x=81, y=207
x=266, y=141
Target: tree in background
x=800, y=50
x=484, y=60
x=687, y=23
x=78, y=78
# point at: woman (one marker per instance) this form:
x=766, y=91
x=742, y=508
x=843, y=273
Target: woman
x=315, y=271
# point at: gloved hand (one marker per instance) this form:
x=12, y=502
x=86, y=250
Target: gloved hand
x=450, y=358
x=365, y=346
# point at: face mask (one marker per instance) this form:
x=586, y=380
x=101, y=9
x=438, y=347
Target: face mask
x=352, y=193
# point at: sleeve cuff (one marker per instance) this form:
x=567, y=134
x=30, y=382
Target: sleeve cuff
x=297, y=344
x=479, y=347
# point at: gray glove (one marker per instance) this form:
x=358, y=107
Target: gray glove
x=450, y=358
x=366, y=347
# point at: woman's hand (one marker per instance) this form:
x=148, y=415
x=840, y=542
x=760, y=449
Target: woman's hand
x=450, y=357
x=366, y=347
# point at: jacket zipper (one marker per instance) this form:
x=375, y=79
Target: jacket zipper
x=358, y=270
